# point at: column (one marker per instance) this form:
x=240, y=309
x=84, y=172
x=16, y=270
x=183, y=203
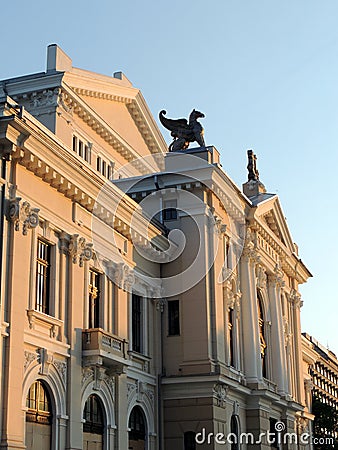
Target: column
x=278, y=366
x=75, y=300
x=251, y=343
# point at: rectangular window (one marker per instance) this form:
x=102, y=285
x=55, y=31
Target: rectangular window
x=98, y=164
x=43, y=278
x=75, y=143
x=94, y=299
x=87, y=153
x=137, y=323
x=170, y=210
x=173, y=317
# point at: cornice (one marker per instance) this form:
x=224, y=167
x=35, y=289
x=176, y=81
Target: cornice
x=55, y=165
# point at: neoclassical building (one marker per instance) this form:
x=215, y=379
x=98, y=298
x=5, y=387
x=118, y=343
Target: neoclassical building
x=147, y=302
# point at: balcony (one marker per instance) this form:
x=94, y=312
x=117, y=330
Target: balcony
x=102, y=348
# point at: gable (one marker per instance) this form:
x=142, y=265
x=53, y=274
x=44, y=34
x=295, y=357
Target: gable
x=270, y=215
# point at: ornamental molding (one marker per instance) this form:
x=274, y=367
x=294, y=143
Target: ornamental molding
x=100, y=376
x=220, y=392
x=232, y=293
x=276, y=278
x=160, y=304
x=61, y=368
x=295, y=299
x=121, y=274
x=77, y=247
x=250, y=249
x=142, y=391
x=46, y=359
x=261, y=277
x=22, y=214
x=30, y=357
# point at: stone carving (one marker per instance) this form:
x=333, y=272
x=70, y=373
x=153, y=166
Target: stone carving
x=122, y=275
x=160, y=304
x=87, y=374
x=184, y=132
x=46, y=358
x=131, y=388
x=23, y=214
x=253, y=174
x=61, y=367
x=220, y=393
x=250, y=247
x=295, y=299
x=79, y=249
x=29, y=358
x=287, y=334
x=260, y=277
x=277, y=276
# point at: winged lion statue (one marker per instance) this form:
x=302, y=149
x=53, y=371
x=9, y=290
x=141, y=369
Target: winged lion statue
x=183, y=131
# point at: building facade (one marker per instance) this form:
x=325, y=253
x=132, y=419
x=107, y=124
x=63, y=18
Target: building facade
x=323, y=392
x=147, y=302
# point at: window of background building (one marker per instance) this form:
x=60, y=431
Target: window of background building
x=170, y=210
x=137, y=323
x=173, y=317
x=42, y=302
x=94, y=299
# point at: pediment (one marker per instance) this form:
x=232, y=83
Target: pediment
x=270, y=215
x=121, y=107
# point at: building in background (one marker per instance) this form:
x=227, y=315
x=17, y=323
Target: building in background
x=116, y=330
x=323, y=388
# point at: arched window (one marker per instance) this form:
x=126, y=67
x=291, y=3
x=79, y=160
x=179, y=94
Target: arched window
x=189, y=440
x=137, y=427
x=93, y=416
x=39, y=418
x=262, y=340
x=38, y=404
x=234, y=428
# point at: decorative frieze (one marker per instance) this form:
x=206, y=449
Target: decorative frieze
x=160, y=304
x=22, y=214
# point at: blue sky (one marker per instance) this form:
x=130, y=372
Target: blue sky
x=263, y=72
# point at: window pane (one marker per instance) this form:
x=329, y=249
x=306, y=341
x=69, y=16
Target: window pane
x=173, y=317
x=136, y=322
x=43, y=277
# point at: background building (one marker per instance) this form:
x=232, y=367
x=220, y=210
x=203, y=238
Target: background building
x=324, y=388
x=113, y=337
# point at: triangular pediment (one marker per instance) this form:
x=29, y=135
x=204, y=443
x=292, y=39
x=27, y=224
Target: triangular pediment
x=121, y=107
x=270, y=215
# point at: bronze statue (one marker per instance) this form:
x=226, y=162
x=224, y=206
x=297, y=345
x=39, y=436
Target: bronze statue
x=253, y=173
x=184, y=132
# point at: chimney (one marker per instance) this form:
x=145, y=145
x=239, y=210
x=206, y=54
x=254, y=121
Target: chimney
x=57, y=59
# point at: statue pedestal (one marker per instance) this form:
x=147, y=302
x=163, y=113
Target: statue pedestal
x=176, y=161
